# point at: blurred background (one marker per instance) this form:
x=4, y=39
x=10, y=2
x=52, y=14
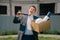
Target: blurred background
x=9, y=8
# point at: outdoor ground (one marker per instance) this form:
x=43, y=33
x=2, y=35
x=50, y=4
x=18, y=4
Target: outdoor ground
x=40, y=38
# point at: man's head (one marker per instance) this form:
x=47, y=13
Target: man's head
x=32, y=10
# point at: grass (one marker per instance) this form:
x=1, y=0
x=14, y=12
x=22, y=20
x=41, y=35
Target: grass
x=48, y=38
x=16, y=32
x=8, y=32
x=8, y=38
x=51, y=32
x=40, y=38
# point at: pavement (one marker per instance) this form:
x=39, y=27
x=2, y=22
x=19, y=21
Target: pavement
x=47, y=35
x=41, y=35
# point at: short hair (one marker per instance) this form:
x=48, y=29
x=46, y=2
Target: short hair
x=34, y=7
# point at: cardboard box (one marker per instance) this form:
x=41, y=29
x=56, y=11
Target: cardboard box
x=40, y=27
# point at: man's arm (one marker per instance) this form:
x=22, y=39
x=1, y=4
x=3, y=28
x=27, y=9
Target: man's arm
x=18, y=17
x=16, y=20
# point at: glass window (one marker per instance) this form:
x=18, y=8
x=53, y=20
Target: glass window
x=44, y=8
x=3, y=9
x=17, y=8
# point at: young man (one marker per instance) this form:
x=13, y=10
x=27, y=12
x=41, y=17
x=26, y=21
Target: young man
x=25, y=25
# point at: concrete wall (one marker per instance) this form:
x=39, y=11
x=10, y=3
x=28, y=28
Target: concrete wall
x=25, y=4
x=58, y=7
x=23, y=0
x=6, y=23
x=25, y=8
x=49, y=1
x=8, y=8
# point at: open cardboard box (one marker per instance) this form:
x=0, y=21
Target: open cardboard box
x=40, y=27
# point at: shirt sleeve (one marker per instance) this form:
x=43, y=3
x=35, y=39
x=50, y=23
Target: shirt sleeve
x=17, y=19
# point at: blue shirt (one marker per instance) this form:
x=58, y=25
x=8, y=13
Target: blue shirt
x=28, y=30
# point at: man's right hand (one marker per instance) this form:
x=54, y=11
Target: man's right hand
x=19, y=13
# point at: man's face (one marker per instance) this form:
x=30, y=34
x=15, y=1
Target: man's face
x=32, y=10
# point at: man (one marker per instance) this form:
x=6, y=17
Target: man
x=26, y=32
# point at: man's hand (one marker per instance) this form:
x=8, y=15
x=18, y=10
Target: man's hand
x=19, y=13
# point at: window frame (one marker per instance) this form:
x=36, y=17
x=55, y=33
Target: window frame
x=45, y=4
x=8, y=9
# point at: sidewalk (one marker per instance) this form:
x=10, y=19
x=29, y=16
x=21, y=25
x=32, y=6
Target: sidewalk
x=41, y=35
x=47, y=35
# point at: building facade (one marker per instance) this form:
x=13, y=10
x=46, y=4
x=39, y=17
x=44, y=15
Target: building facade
x=8, y=9
x=11, y=6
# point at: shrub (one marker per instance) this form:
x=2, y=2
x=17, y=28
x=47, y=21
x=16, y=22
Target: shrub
x=8, y=32
x=51, y=32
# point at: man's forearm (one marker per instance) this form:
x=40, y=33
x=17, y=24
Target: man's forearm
x=16, y=20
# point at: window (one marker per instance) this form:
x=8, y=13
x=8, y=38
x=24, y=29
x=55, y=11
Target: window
x=3, y=9
x=17, y=8
x=44, y=8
